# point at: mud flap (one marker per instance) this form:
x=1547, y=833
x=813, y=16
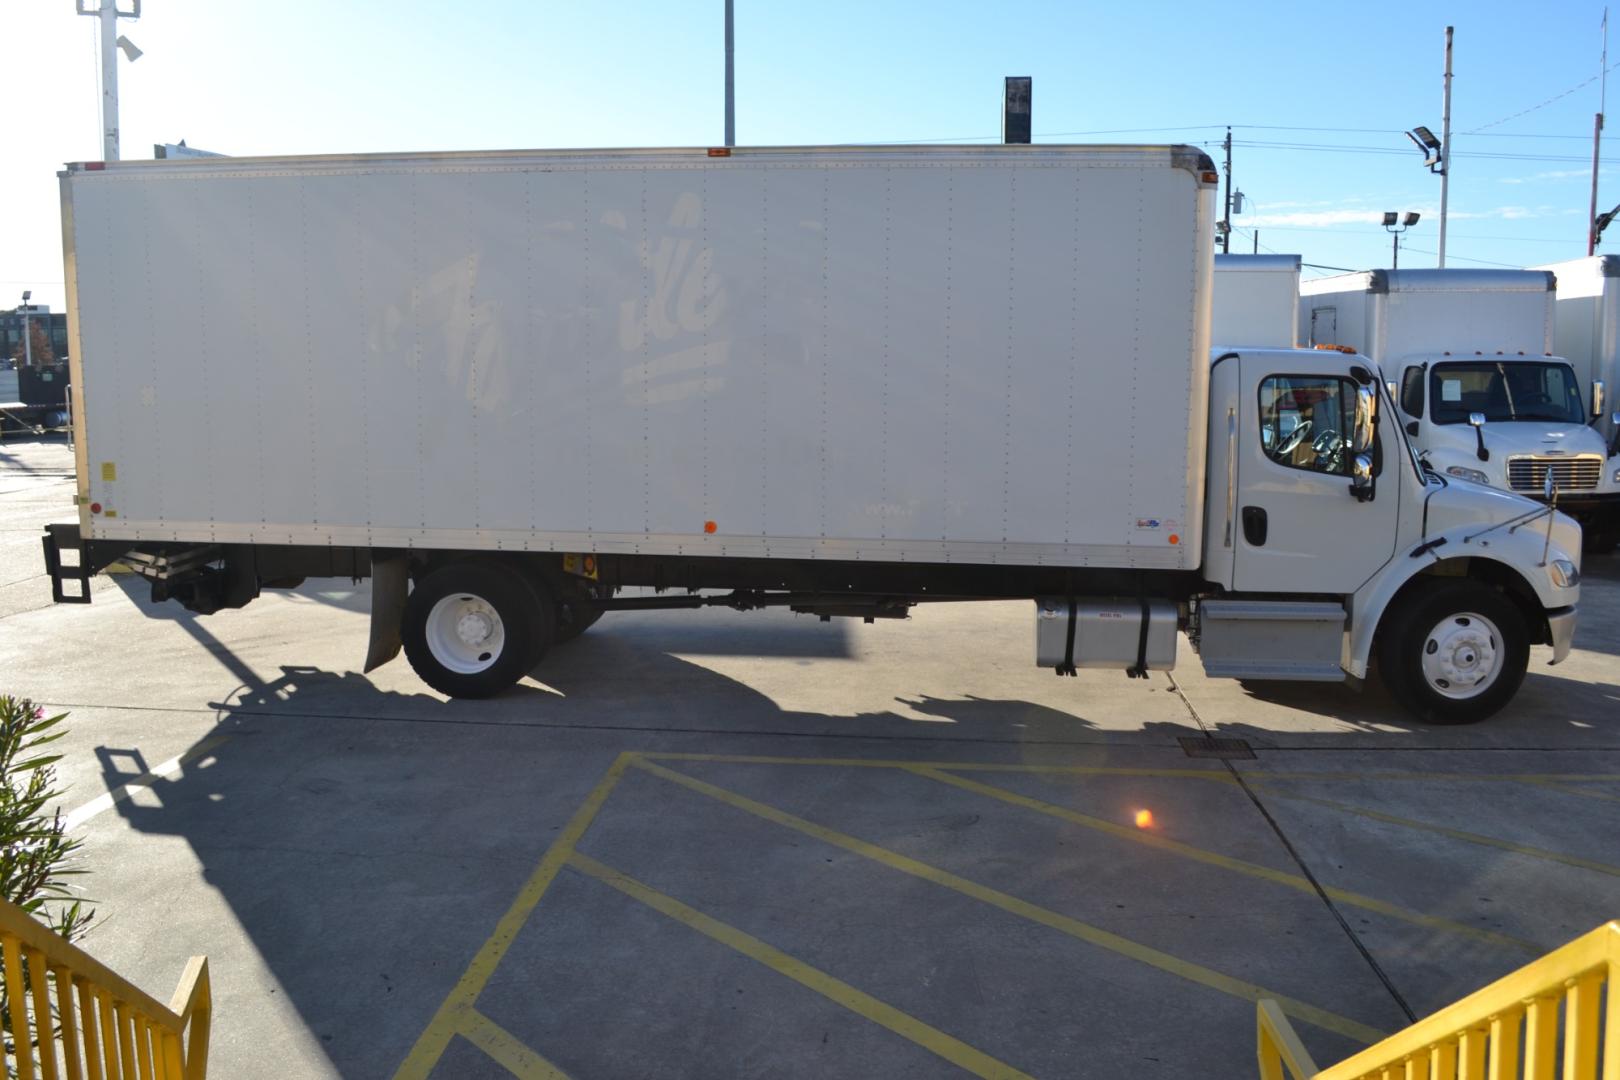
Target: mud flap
x=390, y=578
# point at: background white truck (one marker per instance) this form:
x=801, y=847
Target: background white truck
x=1256, y=301
x=1481, y=391
x=505, y=386
x=1586, y=332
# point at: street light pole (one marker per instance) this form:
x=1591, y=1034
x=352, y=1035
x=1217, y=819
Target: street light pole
x=1445, y=154
x=109, y=15
x=731, y=82
x=1395, y=224
x=28, y=338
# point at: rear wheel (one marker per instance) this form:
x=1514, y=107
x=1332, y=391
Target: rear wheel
x=1454, y=654
x=472, y=629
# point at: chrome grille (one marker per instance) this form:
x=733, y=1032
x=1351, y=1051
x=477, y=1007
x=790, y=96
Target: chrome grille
x=1569, y=473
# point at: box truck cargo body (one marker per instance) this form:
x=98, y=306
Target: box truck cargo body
x=507, y=386
x=1480, y=386
x=1256, y=300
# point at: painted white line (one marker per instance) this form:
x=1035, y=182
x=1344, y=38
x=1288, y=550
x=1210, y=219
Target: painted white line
x=123, y=791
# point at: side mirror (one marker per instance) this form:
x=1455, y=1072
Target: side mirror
x=1597, y=399
x=1361, y=477
x=1476, y=420
x=1366, y=420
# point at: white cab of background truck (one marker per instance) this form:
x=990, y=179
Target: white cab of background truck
x=844, y=380
x=1479, y=387
x=1256, y=301
x=1586, y=332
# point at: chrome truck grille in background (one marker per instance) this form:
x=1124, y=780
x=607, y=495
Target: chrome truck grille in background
x=1569, y=473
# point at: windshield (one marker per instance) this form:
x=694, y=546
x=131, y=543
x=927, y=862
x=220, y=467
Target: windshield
x=1505, y=390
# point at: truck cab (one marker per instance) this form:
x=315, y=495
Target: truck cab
x=1332, y=546
x=1511, y=423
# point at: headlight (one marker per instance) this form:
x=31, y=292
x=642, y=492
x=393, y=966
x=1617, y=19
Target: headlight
x=1564, y=573
x=1617, y=476
x=1463, y=473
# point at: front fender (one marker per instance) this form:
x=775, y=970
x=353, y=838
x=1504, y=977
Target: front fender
x=1459, y=552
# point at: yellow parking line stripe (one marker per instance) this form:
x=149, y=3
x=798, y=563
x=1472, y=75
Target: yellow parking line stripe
x=1213, y=773
x=1226, y=862
x=436, y=1036
x=901, y=1023
x=1455, y=834
x=109, y=799
x=1583, y=792
x=1196, y=973
x=506, y=1048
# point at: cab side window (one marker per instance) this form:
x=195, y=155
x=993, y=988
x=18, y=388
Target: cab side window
x=1412, y=392
x=1306, y=421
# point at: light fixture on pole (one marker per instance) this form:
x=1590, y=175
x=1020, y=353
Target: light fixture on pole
x=1437, y=152
x=1601, y=222
x=1395, y=224
x=111, y=42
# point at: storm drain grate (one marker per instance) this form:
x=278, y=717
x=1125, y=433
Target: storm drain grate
x=1225, y=749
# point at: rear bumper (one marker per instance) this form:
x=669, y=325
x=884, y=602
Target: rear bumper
x=1562, y=625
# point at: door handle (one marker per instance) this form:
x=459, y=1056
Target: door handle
x=1254, y=525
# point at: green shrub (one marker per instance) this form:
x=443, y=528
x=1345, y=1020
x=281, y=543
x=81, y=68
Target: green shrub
x=36, y=855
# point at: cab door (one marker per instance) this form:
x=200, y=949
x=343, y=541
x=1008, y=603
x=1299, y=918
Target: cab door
x=1300, y=528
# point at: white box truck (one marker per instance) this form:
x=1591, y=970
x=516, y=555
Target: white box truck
x=1586, y=332
x=508, y=386
x=1256, y=301
x=1481, y=392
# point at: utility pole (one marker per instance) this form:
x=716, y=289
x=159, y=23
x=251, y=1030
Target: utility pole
x=1226, y=220
x=731, y=81
x=1257, y=241
x=109, y=15
x=1445, y=153
x=1597, y=137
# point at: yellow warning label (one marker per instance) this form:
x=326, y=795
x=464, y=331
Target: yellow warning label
x=109, y=472
x=110, y=513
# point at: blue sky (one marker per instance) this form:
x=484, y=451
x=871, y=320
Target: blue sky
x=1318, y=95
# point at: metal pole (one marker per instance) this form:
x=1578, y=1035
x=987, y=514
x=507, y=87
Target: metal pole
x=731, y=86
x=1597, y=137
x=28, y=339
x=109, y=80
x=1257, y=241
x=1226, y=236
x=1445, y=154
x=1395, y=258
x=1591, y=214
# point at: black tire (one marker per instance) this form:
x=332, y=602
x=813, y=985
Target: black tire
x=525, y=621
x=1409, y=635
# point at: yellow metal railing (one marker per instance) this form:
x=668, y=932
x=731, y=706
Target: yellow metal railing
x=72, y=1018
x=1511, y=1029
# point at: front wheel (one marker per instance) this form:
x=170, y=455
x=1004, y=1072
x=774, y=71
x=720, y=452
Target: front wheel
x=472, y=629
x=1454, y=654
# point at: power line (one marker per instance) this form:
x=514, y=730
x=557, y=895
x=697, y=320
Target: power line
x=1549, y=101
x=1482, y=262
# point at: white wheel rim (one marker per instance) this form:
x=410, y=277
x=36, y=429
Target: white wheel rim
x=1462, y=655
x=465, y=633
